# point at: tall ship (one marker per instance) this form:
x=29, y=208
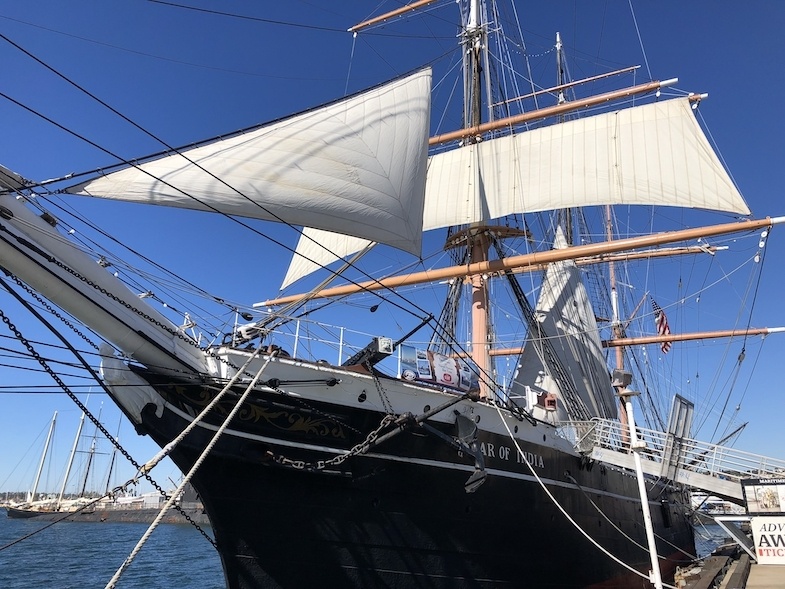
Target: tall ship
x=421, y=424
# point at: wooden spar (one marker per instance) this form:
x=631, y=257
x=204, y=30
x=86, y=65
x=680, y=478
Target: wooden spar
x=657, y=339
x=561, y=87
x=546, y=257
x=549, y=111
x=683, y=337
x=628, y=256
x=392, y=14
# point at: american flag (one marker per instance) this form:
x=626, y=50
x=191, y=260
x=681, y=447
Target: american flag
x=662, y=325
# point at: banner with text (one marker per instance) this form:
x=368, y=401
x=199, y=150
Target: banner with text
x=768, y=533
x=425, y=366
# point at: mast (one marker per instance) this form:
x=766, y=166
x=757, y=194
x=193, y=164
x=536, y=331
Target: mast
x=113, y=459
x=476, y=43
x=616, y=326
x=561, y=99
x=90, y=456
x=70, y=461
x=34, y=490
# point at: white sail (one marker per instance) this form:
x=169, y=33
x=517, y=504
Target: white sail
x=317, y=249
x=570, y=329
x=356, y=167
x=653, y=154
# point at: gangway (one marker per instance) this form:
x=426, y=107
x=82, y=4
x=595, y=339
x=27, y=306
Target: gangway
x=714, y=469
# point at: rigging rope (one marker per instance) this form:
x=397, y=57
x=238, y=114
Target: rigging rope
x=45, y=365
x=187, y=478
x=576, y=525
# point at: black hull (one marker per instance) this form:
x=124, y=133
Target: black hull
x=399, y=516
x=17, y=513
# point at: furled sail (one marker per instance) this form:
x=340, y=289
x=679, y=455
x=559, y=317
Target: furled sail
x=573, y=367
x=653, y=154
x=356, y=166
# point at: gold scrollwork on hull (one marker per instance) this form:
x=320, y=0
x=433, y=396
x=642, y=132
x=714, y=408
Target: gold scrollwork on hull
x=290, y=420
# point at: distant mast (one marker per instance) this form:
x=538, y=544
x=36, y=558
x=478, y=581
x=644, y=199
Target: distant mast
x=70, y=462
x=34, y=490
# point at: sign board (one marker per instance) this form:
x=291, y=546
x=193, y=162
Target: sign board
x=425, y=366
x=764, y=496
x=765, y=499
x=768, y=533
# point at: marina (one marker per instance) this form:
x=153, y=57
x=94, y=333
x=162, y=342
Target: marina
x=466, y=301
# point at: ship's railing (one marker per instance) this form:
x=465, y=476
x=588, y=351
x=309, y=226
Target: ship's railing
x=316, y=340
x=701, y=465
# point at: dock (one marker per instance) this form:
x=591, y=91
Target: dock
x=725, y=572
x=762, y=577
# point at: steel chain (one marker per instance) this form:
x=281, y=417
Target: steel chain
x=382, y=393
x=43, y=302
x=358, y=449
x=95, y=421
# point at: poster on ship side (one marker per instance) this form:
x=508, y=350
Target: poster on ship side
x=425, y=366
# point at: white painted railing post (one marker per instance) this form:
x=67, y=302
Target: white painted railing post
x=636, y=446
x=296, y=338
x=340, y=347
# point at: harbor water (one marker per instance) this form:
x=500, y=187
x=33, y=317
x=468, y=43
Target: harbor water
x=72, y=555
x=708, y=537
x=86, y=555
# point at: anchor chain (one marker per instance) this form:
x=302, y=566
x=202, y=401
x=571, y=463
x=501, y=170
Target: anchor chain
x=401, y=423
x=45, y=365
x=382, y=393
x=45, y=304
x=356, y=450
x=174, y=332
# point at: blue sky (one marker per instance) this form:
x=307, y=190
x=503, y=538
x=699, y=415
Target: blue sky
x=186, y=75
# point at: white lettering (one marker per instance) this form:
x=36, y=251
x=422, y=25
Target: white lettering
x=487, y=450
x=532, y=459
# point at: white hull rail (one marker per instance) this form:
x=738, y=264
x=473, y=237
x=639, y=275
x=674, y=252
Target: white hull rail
x=717, y=470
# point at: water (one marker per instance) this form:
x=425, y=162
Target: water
x=87, y=555
x=708, y=537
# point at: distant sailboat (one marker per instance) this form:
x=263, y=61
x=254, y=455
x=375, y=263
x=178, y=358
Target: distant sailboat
x=91, y=505
x=35, y=505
